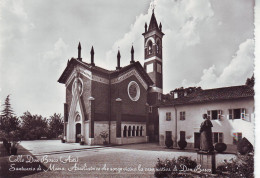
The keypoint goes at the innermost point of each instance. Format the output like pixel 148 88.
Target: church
pixel 122 103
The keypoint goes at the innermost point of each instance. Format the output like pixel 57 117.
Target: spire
pixel 92 56
pixel 118 61
pixel 153 23
pixel 132 55
pixel 160 26
pixel 79 52
pixel 145 27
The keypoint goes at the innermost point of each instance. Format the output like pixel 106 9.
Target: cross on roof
pixel 152 5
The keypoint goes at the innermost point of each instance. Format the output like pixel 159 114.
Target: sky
pixel 207 43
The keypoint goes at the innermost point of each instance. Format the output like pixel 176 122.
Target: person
pixel 206 135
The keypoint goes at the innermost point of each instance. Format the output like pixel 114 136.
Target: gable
pixel 126 75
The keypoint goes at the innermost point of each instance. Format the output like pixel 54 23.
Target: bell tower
pixel 153 55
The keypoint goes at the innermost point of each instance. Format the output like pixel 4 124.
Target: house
pixel 231 110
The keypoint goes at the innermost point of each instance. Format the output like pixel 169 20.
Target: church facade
pixel 121 103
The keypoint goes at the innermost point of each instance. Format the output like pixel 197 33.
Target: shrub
pixel 244 146
pixel 172 168
pixel 242 166
pixel 182 144
pixel 188 162
pixel 220 147
pixel 168 142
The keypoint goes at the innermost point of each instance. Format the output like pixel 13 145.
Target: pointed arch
pixel 133 131
pixel 158 46
pixel 129 131
pixel 125 131
pixel 137 131
pixel 150 47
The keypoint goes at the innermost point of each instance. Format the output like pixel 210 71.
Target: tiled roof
pixel 105 73
pixel 211 95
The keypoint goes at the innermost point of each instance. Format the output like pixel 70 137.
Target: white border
pixel 136 98
pixel 73 90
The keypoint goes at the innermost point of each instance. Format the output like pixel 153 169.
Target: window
pixel 150 47
pixel 182 115
pixel 175 95
pixel 238 114
pixel 137 131
pixel 217 137
pixel 214 114
pixel 133 91
pixel 129 131
pixel 133 131
pixel 182 135
pixel 141 131
pixel 237 136
pixel 149 68
pixel 125 131
pixel 159 68
pixel 168 116
pixel 150 109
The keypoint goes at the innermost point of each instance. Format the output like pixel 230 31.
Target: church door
pixel 196 140
pixel 78 131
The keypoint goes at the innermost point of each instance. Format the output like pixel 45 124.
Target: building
pixel 231 110
pixel 121 102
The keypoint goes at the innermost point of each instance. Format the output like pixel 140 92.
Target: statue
pixel 206 135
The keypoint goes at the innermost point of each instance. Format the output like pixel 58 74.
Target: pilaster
pixel 91 119
pixel 118 117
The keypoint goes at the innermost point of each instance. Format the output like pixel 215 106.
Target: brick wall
pixel 119 90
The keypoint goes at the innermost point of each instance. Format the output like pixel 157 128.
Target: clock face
pixel 78 83
pixel 133 90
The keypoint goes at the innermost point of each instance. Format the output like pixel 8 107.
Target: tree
pixel 8 121
pixel 8 111
pixel 55 125
pixel 250 81
pixel 33 126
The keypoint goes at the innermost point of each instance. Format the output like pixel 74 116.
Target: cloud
pixel 198 37
pixel 180 20
pixel 55 57
pixel 129 38
pixel 239 69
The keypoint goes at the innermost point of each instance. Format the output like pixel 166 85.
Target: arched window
pixel 137 131
pixel 129 131
pixel 133 131
pixel 125 130
pixel 141 131
pixel 150 47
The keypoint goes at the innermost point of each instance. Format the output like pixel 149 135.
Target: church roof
pixel 153 23
pixel 104 72
pixel 212 95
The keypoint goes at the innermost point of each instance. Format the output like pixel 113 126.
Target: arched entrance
pixel 78 131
